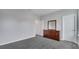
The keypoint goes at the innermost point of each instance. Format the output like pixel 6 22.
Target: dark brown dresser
pixel 52 34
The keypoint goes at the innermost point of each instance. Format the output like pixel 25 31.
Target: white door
pixel 69 27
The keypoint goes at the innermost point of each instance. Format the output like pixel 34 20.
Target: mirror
pixel 52 24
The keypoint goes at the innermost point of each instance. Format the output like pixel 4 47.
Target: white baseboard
pixel 17 40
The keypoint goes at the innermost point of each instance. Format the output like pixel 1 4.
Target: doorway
pixel 69 28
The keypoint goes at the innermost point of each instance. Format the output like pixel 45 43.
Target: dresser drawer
pixel 53 34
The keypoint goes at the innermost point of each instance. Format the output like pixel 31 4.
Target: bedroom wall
pixel 17 25
pixel 78 22
pixel 55 16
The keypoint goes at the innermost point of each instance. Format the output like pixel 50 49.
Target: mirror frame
pixel 49 23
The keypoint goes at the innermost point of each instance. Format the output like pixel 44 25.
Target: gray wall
pixel 78 21
pixel 17 25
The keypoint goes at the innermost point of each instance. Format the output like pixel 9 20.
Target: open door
pixel 69 28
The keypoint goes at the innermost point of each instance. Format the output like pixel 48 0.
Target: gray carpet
pixel 39 42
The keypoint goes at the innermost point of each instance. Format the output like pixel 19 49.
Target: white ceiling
pixel 41 12
pixel 38 12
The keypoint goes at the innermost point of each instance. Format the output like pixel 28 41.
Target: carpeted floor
pixel 39 42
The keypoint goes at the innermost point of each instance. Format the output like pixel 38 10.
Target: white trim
pixel 17 40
